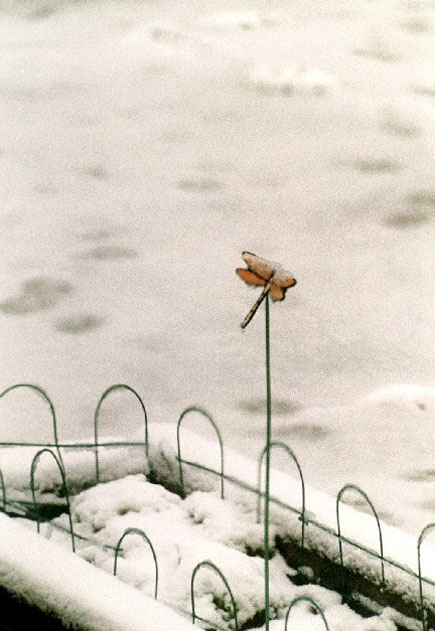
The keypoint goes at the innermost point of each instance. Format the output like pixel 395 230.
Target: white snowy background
pixel 144 145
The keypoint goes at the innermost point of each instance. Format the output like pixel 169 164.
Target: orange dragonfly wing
pixel 287 283
pixel 259 273
pixel 259 266
pixel 276 293
pixel 250 277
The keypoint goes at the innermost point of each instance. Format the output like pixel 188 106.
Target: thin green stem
pixel 267 482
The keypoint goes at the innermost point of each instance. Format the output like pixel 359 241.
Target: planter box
pixel 71 592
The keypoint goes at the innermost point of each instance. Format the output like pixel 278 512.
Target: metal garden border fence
pixel 54 449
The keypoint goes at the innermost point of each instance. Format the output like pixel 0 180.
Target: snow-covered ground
pixel 144 145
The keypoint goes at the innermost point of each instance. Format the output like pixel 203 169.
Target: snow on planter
pixel 399 549
pixel 191 523
pixel 184 533
pixel 58 582
pixel 115 462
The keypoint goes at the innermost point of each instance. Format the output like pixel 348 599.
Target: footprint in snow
pixel 428 505
pixel 419 475
pixel 96 172
pixel 309 431
pixel 424 90
pixel 376 166
pixel 95 235
pixel 36 295
pixel 199 185
pixel 421 207
pixel 423 198
pixel 109 253
pixel 417 25
pixel 404 220
pixel 377 50
pixel 79 323
pixel 396 124
pixel 280 406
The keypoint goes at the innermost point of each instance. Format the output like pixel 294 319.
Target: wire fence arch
pixel 357 489
pixel 424 533
pixel 59 464
pixel 42 394
pixel 141 533
pixel 209 418
pixel 3 490
pixel 218 571
pixel 293 456
pixel 103 397
pixel 310 601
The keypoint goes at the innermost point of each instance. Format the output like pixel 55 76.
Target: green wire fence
pixel 212 566
pixel 208 416
pixel 141 533
pixel 42 394
pixel 15 507
pixel 116 387
pixel 64 487
pixel 355 488
pixel 423 611
pixel 292 455
pixel 312 603
pixel 3 488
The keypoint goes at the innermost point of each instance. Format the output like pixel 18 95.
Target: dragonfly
pixel 263 273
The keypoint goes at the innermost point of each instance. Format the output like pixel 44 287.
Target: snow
pixel 143 147
pixel 320 507
pixel 180 543
pixel 56 580
pixel 184 533
pixel 138 160
pixel 203 526
pixel 381 442
pixel 79 465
